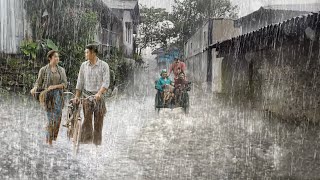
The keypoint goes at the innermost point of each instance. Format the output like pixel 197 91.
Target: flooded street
pixel 214 141
pixel 253 67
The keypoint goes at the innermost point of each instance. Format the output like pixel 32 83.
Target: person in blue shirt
pixel 163 81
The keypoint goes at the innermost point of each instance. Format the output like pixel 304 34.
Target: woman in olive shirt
pixel 53 79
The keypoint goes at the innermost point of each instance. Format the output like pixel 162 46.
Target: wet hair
pixel 51 53
pixel 92 48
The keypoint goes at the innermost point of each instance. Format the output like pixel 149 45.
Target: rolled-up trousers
pixel 96 110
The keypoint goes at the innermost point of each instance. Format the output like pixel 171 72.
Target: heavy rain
pixel 172 89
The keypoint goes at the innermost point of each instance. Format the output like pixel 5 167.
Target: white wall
pixel 216 72
pixel 198 42
pixel 224 29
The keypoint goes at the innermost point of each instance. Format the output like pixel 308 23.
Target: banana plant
pixel 30 48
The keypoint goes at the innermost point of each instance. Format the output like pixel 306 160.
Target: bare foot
pixel 50 142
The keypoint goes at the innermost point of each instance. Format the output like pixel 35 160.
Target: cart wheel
pixel 186 103
pixel 158 101
pixel 171 105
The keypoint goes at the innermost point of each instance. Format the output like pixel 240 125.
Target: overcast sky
pixel 245 6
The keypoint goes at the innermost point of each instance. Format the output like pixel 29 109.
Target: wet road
pixel 215 140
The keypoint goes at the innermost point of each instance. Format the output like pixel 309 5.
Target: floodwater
pixel 215 140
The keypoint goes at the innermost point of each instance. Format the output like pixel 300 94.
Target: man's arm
pixel 106 82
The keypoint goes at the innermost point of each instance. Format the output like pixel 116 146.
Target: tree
pixel 154 29
pixel 70 24
pixel 188 15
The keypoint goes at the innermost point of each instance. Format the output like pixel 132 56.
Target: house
pixel 202 59
pixel 118 24
pixel 13 26
pixel 276 67
pixel 197 52
pixel 109 31
pixel 273 14
pixel 128 13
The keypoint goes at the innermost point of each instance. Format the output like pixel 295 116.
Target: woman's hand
pixel 52 87
pixel 75 100
pixel 33 91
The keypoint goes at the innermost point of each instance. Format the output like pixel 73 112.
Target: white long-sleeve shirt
pixel 93 77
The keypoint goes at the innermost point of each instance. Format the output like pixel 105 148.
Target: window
pixel 128 32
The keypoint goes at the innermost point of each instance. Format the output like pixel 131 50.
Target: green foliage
pixel 14 63
pixel 69 23
pixel 138 58
pixel 17 74
pixel 189 15
pixel 119 68
pixel 49 43
pixel 29 49
pixel 67 26
pixel 72 53
pixel 154 28
pixel 158 27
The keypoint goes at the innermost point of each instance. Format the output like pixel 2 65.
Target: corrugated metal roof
pixel 315 7
pixel 271 34
pixel 117 4
pixel 303 8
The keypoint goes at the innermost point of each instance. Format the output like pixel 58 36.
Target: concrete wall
pixel 198 55
pixel 235 76
pixel 290 79
pixel 284 80
pixel 264 17
pixel 216 72
pixel 197 68
pixel 13 26
pixel 223 29
pixel 197 43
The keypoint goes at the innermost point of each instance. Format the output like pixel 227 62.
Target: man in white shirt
pixel 93 79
